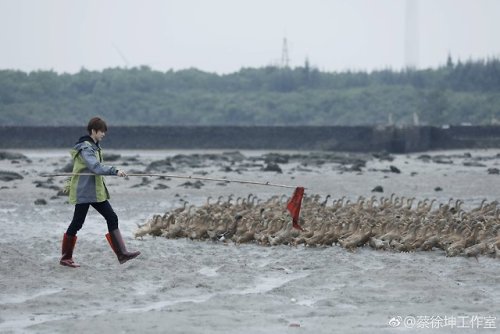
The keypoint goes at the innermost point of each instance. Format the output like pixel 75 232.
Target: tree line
pixel 455 93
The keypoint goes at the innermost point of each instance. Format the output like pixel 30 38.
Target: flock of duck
pixel 385 223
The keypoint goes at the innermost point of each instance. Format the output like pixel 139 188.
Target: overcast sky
pixel 225 35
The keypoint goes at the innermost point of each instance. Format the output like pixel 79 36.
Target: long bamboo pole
pixel 267 183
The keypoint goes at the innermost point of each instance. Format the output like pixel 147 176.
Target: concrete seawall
pixel 328 138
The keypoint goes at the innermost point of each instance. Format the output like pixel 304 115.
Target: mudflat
pixel 191 286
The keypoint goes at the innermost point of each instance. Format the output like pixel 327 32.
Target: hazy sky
pixel 224 35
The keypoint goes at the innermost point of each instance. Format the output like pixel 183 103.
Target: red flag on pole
pixel 294 206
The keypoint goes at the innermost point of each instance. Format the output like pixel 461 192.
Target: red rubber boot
pixel 116 242
pixel 68 244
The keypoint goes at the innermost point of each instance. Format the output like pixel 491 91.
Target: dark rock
pixel 276 158
pixel 473 164
pixel 442 161
pixel 251 165
pixel 197 184
pixel 161 186
pixel 353 168
pixel 395 169
pixel 9 176
pixel 272 167
pixel 438 189
pixel 493 171
pixel 160 166
pixel 383 156
pixel 234 156
pixel 193 160
pixel 132 159
pixel 378 189
pixel 424 157
pixel 112 157
pixel 12 156
pixel 46 184
pixel 145 181
pixel 40 201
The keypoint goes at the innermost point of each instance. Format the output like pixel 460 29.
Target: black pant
pixel 104 208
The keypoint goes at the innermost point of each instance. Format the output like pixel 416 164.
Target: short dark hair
pixel 97 124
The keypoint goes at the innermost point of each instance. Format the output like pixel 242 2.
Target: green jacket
pixel 87 158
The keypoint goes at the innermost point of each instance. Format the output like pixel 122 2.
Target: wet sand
pixel 184 286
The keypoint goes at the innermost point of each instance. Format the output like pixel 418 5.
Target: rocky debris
pixel 235 156
pixel 495 171
pixel 425 157
pixel 394 169
pixel 383 156
pixel 10 176
pixel 46 184
pixel 276 158
pixel 160 166
pixel 466 155
pixel 473 164
pixel 378 189
pixel 353 168
pixel 145 181
pixel 12 156
pixel 191 161
pixel 251 165
pixel 237 162
pixel 40 201
pixel 161 186
pixel 448 159
pixel 442 161
pixel 438 189
pixel 109 157
pixel 196 185
pixel 272 167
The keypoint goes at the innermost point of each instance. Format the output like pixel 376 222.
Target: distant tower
pixel 284 55
pixel 416 120
pixel 411 34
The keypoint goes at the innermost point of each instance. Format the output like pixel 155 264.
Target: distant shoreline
pixel 321 138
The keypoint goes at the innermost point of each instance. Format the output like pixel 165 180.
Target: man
pixel 87 188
